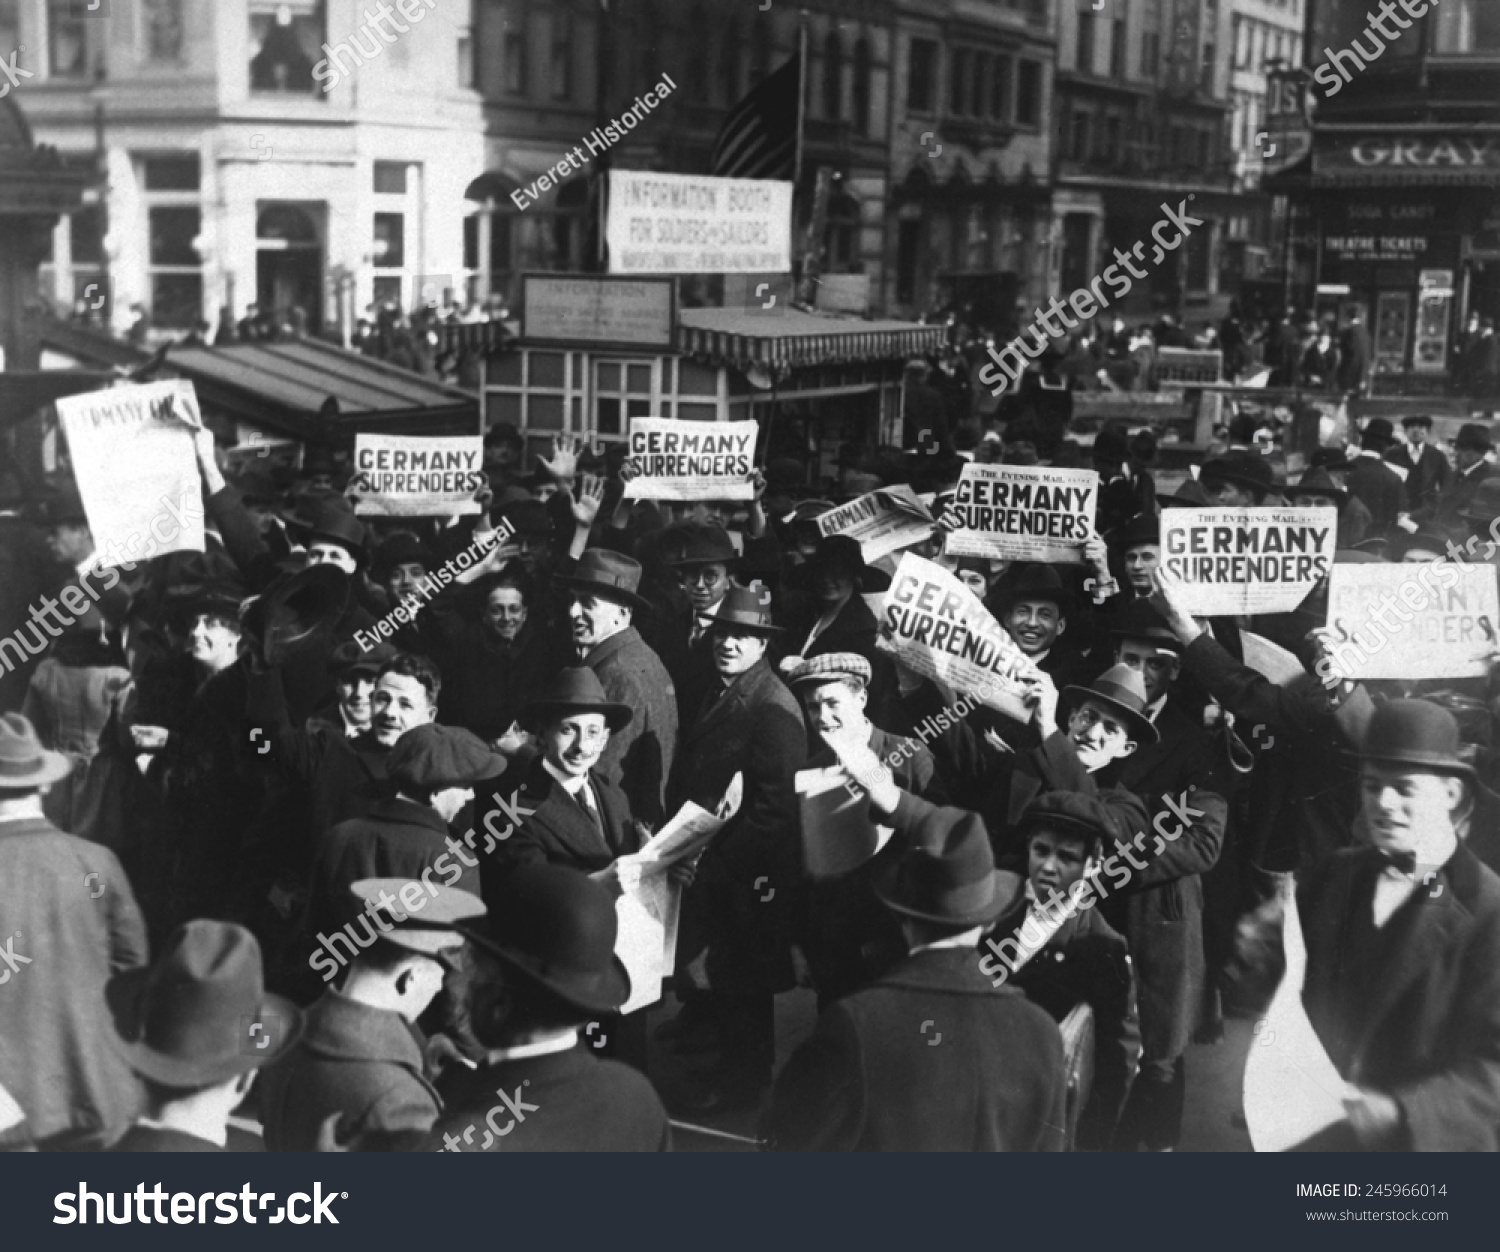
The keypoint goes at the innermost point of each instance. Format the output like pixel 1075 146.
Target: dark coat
pixel 154 1139
pixel 691 666
pixel 1455 497
pixel 929 1058
pixel 582 1104
pixel 640 756
pixel 27 569
pixel 57 1052
pixel 1354 358
pixel 557 831
pixel 1427 475
pixel 1370 479
pixel 487 680
pixel 1412 1009
pixel 361 1062
pixel 1087 962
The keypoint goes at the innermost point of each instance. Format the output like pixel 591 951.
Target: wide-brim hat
pixel 610 575
pixel 200 1014
pixel 557 927
pixel 689 544
pixel 745 608
pixel 1415 733
pixel 1317 482
pixel 1401 542
pixel 1123 692
pixel 1249 470
pixel 24 764
pixel 842 552
pixel 948 875
pixel 1138 620
pixel 577 690
pixel 1140 529
pixel 219 598
pixel 300 611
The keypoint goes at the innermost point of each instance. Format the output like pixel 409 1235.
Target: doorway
pixel 289 266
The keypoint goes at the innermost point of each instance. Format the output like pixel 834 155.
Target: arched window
pixel 833 77
pixel 862 87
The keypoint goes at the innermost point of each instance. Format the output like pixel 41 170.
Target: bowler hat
pixel 1317 482
pixel 1474 437
pixel 332 522
pixel 1032 580
pixel 24 764
pixel 609 575
pixel 200 1014
pixel 1068 812
pixel 433 757
pixel 745 608
pixel 1417 419
pixel 1138 620
pixel 1377 435
pixel 830 667
pixel 1141 529
pixel 947 875
pixel 577 690
pixel 429 926
pixel 1417 733
pixel 1123 692
pixel 557 927
pixel 843 553
pixel 1484 504
pixel 1249 470
pixel 1330 458
pixel 691 544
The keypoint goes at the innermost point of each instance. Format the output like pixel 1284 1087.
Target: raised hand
pixel 564 463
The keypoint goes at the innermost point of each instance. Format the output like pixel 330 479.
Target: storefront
pixel 595 352
pixel 1409 237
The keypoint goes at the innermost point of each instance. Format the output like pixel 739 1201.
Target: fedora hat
pixel 331 521
pixel 691 544
pixel 297 612
pixel 1141 529
pixel 610 575
pixel 745 608
pixel 1416 733
pixel 1249 470
pixel 557 927
pixel 24 764
pixel 948 875
pixel 1123 692
pixel 577 690
pixel 1317 482
pixel 1190 495
pixel 1032 580
pixel 200 1014
pixel 1138 620
pixel 841 552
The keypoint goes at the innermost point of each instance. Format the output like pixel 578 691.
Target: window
pixel 1000 88
pixel 1210 55
pixel 390 178
pixel 1078 146
pixel 921 75
pixel 1112 137
pixel 171 173
pixel 514 45
pixel 1084 62
pixel 833 77
pixel 176 274
pixel 162 20
pixel 622 390
pixel 1150 54
pixel 562 56
pixel 862 87
pixel 286 40
pixel 466 70
pixel 958 86
pixel 67 40
pixel 390 241
pixel 1117 48
pixel 10 27
pixel 86 235
pixel 1029 93
pixel 981 76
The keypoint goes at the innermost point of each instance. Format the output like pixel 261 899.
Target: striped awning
pixel 794 339
pixel 469 338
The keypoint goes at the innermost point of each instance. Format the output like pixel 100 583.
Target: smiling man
pixel 1403 951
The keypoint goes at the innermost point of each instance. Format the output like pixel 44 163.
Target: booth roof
pixel 793 339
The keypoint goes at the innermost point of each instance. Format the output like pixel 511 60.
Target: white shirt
pixel 543 1047
pixel 1395 887
pixel 578 788
pixel 700 625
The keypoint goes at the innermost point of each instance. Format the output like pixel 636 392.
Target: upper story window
pixel 162 27
pixel 562 56
pixel 1085 51
pixel 67 40
pixel 1028 92
pixel 862 87
pixel 286 41
pixel 833 77
pixel 514 66
pixel 1467 26
pixel 921 76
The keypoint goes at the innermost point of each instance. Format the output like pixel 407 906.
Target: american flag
pixel 759 137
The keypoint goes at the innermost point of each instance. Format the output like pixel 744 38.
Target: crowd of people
pixel 346 805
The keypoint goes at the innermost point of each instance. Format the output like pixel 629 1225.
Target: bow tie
pixel 1405 862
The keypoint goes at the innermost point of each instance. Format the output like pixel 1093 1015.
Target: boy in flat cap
pixel 361 1056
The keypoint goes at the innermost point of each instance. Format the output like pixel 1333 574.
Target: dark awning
pixel 793 339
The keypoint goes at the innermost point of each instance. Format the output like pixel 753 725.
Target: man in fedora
pixel 544 967
pixel 701 558
pixel 603 596
pixel 749 725
pixel 70 921
pixel 1372 478
pixel 1238 480
pixel 930 1056
pixel 1472 466
pixel 1426 469
pixel 361 1058
pixel 196 1026
pixel 1033 605
pixel 1317 489
pixel 1403 951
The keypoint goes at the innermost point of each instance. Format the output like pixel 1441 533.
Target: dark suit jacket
pixel 27 569
pixel 362 1063
pixel 853 630
pixel 1413 1009
pixel 929 1058
pixel 1429 474
pixel 582 1104
pixel 691 666
pixel 640 756
pixel 150 1139
pixel 559 831
pixel 1461 489
pixel 1370 479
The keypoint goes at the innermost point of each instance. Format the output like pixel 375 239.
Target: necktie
pixel 585 800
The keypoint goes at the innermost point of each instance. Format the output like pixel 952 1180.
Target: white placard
pixel 694 224
pixel 1252 560
pixel 1429 620
pixel 677 460
pixel 1024 513
pixel 883 522
pixel 416 476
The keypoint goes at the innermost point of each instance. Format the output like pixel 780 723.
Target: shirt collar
pixel 1153 710
pixel 571 785
pixel 543 1047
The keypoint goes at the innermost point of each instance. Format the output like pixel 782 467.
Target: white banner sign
pixel 883 522
pixel 1024 513
pixel 937 627
pixel 694 224
pixel 691 460
pixel 1436 620
pixel 133 457
pixel 1260 560
pixel 413 476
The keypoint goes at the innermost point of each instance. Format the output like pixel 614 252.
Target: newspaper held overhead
pixel 883 522
pixel 649 911
pixel 417 476
pixel 1446 622
pixel 937 627
pixel 1253 560
pixel 676 460
pixel 133 457
pixel 1024 513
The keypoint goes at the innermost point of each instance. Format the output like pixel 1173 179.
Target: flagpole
pixel 801 91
